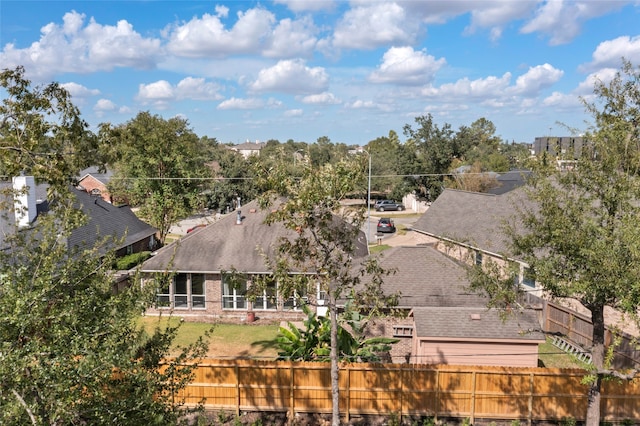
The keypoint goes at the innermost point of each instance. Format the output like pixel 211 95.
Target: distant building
pixel 248 149
pixel 564 147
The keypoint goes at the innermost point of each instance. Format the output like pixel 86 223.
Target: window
pixel 402 331
pixel 234 293
pixel 297 301
pixel 163 298
pixel 197 291
pixel 180 298
pixel 528 278
pixel 183 291
pixel 268 299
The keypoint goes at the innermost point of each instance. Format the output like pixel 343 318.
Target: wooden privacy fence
pixel 526 394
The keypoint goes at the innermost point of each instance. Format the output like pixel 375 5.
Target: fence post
pixel 473 397
pixel 237 369
pixel 530 416
pixel 348 389
pixel 436 403
pixel 292 399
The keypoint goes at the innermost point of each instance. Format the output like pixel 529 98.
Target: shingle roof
pixel 105 219
pixel 458 322
pixel 426 277
pixel 509 181
pixel 225 245
pixel 471 218
pixel 94 171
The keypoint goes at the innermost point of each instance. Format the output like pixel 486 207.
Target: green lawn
pixel 553 357
pixel 226 340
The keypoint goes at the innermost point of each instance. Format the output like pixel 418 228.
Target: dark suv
pixel 385 224
pixel 384 205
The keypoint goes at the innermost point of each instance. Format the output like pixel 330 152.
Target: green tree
pixel 159 167
pixel 326 241
pixel 581 236
pixel 41 132
pixel 71 349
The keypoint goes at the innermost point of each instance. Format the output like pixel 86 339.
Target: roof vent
pixel 475 317
pixel 239 218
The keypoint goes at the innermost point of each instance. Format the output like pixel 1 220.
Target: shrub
pixel 131 260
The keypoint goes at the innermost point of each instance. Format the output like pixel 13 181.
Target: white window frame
pixel 236 296
pixel 198 300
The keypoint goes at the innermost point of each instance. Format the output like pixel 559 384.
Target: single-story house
pixel 204 265
pixel 103 219
pixel 427 280
pixel 475 336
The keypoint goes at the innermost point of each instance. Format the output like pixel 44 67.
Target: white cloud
pixel 307 5
pixel 374 25
pixel 105 105
pixel 207 36
pixel 291 76
pixel 237 103
pixel 403 65
pixel 481 88
pixel 604 75
pixel 609 53
pixel 537 78
pixel 324 98
pixel 79 91
pixel 293 113
pixel 561 100
pixel 73 47
pixel 161 92
pixel 360 104
pixel 562 20
pixel 292 38
pixel 197 89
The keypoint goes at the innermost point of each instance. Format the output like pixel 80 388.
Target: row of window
pixel 186 291
pixel 524 277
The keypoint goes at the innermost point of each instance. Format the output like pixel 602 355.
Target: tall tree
pixel 41 132
pixel 71 349
pixel 159 167
pixel 581 236
pixel 326 243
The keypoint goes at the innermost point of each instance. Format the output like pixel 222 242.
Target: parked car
pixel 386 225
pixel 387 205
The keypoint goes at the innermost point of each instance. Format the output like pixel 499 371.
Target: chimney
pixel 239 218
pixel 24 200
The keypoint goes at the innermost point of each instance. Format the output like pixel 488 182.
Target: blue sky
pixel 349 70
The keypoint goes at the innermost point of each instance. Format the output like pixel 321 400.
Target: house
pixel 464 335
pixel 248 148
pixel 468 227
pixel 94 182
pixel 430 284
pixel 130 234
pixel 211 269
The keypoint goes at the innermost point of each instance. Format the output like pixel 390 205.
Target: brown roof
pixel 471 218
pixel 426 277
pixel 475 323
pixel 226 245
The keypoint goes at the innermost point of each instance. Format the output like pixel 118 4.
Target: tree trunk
pixel 335 384
pixel 597 357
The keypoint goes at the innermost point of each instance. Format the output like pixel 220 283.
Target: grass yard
pixel 226 340
pixel 554 357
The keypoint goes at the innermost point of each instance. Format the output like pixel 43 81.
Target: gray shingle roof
pixel 471 218
pixel 458 322
pixel 105 219
pixel 426 277
pixel 225 245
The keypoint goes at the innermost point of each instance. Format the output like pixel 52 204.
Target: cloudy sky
pixel 348 70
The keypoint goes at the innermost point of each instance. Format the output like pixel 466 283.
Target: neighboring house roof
pixel 102 176
pixel 426 277
pixel 226 245
pixel 476 323
pixel 104 220
pixel 471 218
pixel 509 181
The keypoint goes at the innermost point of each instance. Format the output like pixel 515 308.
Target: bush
pixel 131 260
